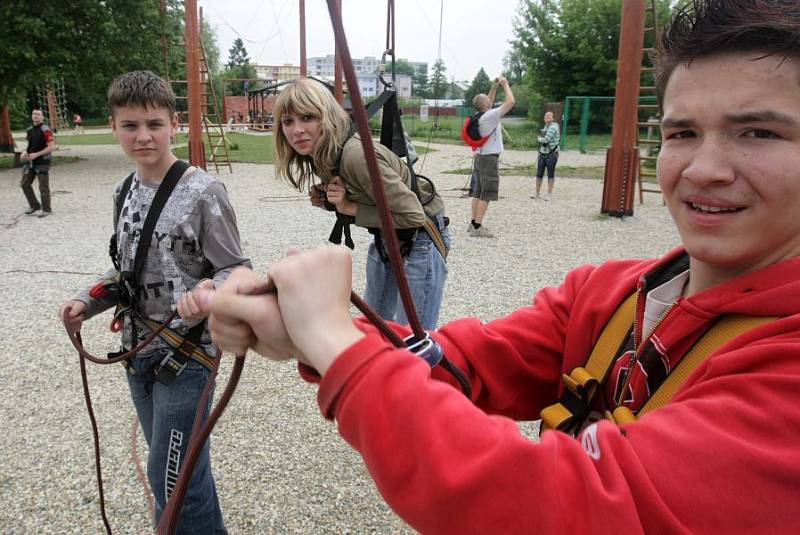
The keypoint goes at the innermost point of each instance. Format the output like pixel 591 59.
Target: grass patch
pixel 7 161
pixel 593 171
pixel 247 148
pixel 86 139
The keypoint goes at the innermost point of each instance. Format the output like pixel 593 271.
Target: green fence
pixel 590 119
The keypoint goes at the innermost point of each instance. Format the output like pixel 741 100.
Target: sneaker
pixel 45 214
pixel 482 232
pixel 535 197
pixel 470 230
pixel 547 197
pixel 31 211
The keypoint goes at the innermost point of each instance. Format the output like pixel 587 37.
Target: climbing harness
pixel 394 137
pixel 583 383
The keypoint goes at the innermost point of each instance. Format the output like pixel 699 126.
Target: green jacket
pixel 550 138
pixel 407 212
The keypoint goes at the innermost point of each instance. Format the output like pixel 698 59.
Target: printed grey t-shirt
pixel 196 237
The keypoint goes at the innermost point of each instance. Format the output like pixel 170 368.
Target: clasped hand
pixel 300 311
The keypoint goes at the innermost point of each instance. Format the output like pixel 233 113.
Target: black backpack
pixel 470 132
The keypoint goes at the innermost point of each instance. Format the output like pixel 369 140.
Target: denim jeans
pixel 166 414
pixel 426 271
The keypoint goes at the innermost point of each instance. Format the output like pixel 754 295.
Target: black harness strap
pixel 175 363
pixel 112 246
pixel 163 193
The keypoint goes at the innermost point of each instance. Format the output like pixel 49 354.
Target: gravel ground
pixel 280 467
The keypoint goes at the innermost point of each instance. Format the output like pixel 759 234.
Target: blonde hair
pixel 309 97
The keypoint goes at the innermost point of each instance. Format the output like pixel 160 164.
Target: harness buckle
pixel 169 369
pixel 127 289
pixel 427 349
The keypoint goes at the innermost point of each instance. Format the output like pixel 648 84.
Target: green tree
pixel 86 43
pixel 419 81
pixel 438 80
pixel 569 47
pixel 237 54
pixel 480 84
pixel 401 66
pixel 238 69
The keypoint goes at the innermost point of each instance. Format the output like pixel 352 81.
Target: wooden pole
pixel 6 137
pixel 196 149
pixel 303 60
pixel 164 46
pixel 338 90
pixel 622 158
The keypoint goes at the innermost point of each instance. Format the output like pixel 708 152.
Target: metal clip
pixel 427 349
pixel 168 370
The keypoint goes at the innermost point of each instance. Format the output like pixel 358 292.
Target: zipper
pixel 639 345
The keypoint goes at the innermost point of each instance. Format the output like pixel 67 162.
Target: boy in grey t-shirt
pixel 195 242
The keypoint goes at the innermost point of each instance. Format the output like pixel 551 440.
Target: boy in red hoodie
pixel 720 457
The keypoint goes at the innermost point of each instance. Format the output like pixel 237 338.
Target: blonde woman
pixel 314 138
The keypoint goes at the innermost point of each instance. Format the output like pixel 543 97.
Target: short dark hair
pixel 140 88
pixel 703 28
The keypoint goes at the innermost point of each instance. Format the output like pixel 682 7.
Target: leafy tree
pixel 401 66
pixel 480 84
pixel 237 54
pixel 419 81
pixel 238 68
pixel 438 79
pixel 84 42
pixel 236 76
pixel 568 47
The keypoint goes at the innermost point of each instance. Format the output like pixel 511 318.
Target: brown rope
pixel 140 475
pixel 387 225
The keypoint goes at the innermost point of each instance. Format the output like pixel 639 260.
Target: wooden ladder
pixel 212 123
pixel 212 126
pixel 53 105
pixel 649 115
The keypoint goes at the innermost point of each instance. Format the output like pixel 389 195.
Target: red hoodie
pixel 721 457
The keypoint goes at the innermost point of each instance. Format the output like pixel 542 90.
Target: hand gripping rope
pixel 420 342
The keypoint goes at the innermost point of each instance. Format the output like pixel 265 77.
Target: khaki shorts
pixel 488 183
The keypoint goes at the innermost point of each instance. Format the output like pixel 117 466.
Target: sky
pixel 475 33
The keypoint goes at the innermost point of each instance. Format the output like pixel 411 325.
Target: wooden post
pixel 303 60
pixel 6 137
pixel 622 158
pixel 162 8
pixel 196 150
pixel 338 90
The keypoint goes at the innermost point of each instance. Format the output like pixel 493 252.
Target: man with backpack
pixel 487 156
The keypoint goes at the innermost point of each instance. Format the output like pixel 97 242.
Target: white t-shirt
pixel 660 299
pixel 489 125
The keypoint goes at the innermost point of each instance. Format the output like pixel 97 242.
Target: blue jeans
pixel 426 271
pixel 166 414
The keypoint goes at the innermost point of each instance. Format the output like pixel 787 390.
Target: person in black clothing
pixel 41 143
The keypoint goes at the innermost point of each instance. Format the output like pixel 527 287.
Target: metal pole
pixel 584 125
pixel 622 158
pixel 303 60
pixel 196 149
pixel 338 90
